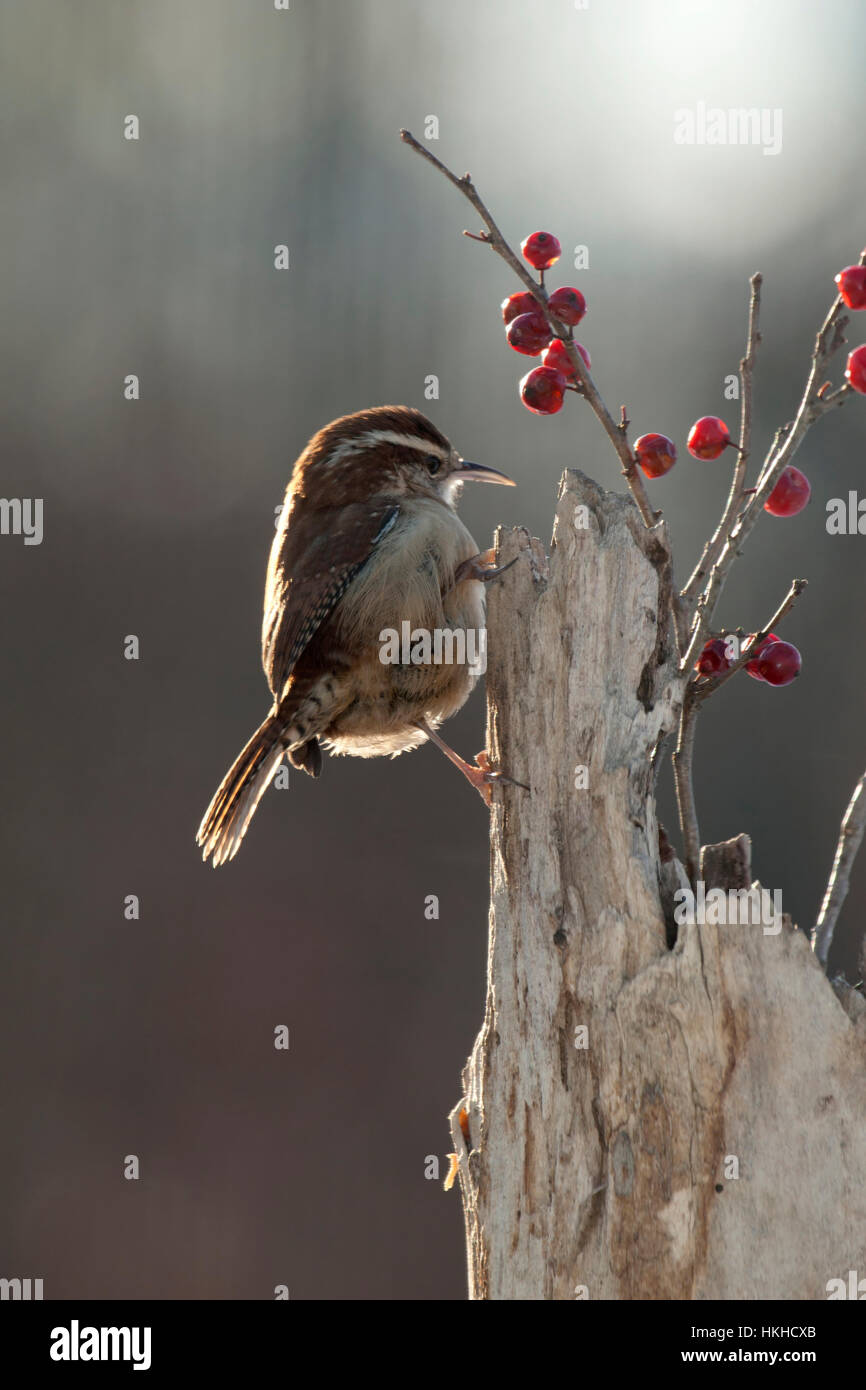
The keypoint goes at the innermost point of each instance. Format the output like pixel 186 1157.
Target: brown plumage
pixel 368 539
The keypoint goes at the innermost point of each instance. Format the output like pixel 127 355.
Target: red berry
pixel 708 437
pixel 855 371
pixel 779 663
pixel 656 455
pixel 557 357
pixel 528 333
pixel 852 286
pixel 791 493
pixel 541 249
pixel 714 657
pixel 543 390
pixel 520 303
pixel 568 305
pixel 752 666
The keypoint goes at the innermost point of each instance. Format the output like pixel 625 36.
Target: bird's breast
pixel 410 576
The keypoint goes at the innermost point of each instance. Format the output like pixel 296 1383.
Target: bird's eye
pixel 434 462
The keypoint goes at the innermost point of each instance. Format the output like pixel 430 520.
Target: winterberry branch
pixel 493 237
pixel 708 685
pixel 814 403
pixel 850 839
pixel 695 693
pixel 714 545
pixel 683 764
pixel 566 368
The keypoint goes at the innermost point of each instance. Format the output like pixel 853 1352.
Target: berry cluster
pixel 852 291
pixel 709 436
pixel 543 388
pixel 774 661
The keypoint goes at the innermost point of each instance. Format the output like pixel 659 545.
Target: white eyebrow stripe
pixel 373 437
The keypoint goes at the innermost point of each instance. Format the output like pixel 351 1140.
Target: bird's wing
pixel 311 566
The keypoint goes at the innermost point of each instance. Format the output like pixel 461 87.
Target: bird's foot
pixel 489 776
pixel 482 567
pixel 482 776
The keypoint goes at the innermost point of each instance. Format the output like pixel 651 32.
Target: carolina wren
pixel 369 539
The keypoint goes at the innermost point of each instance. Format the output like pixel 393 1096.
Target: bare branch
pixel 814 403
pixel 697 690
pixel 708 685
pixel 683 763
pixel 494 238
pixel 714 545
pixel 850 838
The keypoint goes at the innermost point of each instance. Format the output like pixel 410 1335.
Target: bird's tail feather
pixel 226 819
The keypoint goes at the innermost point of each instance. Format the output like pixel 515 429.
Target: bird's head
pixel 392 450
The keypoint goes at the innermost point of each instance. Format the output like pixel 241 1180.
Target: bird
pixel 368 539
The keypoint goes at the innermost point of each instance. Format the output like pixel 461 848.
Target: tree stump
pixel 645 1120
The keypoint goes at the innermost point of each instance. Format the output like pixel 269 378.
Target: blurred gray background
pixel 155 257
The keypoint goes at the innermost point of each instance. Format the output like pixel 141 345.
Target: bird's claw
pixel 482 567
pixel 484 778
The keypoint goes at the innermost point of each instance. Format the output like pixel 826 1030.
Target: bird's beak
pixel 479 473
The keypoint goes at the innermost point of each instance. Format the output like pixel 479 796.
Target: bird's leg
pixel 481 567
pixel 482 778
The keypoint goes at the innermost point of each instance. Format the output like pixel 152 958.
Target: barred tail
pixel 239 793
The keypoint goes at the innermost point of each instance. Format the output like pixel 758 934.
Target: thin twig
pixel 813 405
pixel 494 238
pixel 714 545
pixel 733 531
pixel 697 690
pixel 683 764
pixel 850 838
pixel 708 685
